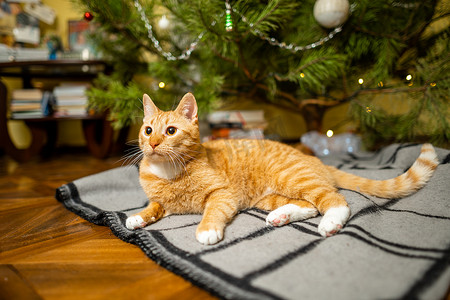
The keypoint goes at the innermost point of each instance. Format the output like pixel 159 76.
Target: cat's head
pixel 170 135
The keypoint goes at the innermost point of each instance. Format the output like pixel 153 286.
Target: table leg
pixel 99 136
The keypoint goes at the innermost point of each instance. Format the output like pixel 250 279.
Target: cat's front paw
pixel 135 222
pixel 209 237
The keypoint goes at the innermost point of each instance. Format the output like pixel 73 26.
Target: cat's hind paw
pixel 276 219
pixel 289 213
pixel 209 237
pixel 135 222
pixel 333 220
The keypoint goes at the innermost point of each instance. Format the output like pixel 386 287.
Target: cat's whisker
pixel 133 149
pixel 177 161
pixel 124 159
pixel 134 156
pixel 184 154
pixel 181 162
pixel 172 162
pixel 139 106
pixel 176 157
pixel 138 158
pixel 134 142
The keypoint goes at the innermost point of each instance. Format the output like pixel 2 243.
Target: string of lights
pixel 291 47
pixel 229 27
pixel 169 56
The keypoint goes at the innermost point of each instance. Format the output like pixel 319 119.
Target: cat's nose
pixel 154 145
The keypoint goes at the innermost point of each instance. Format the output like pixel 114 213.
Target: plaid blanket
pixel 389 249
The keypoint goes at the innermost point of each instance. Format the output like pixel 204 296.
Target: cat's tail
pixel 407 183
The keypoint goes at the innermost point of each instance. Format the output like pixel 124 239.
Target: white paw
pixel 276 218
pixel 134 222
pixel 333 220
pixel 289 213
pixel 209 237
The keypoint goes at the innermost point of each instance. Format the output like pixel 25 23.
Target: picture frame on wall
pixel 78 35
pixel 78 31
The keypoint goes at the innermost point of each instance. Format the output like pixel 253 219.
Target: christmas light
pixel 85 54
pixel 360 81
pixel 163 22
pixel 330 133
pixel 228 20
pixel 408 77
pixel 169 56
pixel 162 85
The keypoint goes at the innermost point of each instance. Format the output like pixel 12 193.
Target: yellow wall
pixel 65 10
pixel 69 132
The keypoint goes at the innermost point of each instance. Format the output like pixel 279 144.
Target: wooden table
pixel 97 130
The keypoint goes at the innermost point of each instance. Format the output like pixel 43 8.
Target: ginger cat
pixel 181 176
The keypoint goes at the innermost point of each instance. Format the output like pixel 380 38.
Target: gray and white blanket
pixel 389 249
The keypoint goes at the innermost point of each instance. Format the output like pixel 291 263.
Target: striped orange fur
pixel 180 175
pixel 407 183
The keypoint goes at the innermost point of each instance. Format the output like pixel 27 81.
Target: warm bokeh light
pixel 330 133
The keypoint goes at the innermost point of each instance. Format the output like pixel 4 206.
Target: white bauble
pixel 331 13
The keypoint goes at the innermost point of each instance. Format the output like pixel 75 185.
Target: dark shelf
pixel 97 129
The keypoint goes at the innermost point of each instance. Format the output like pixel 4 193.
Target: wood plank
pixel 102 281
pixel 105 249
pixel 47 252
pixel 9 205
pixel 13 286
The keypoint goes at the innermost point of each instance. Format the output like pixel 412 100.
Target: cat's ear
pixel 149 107
pixel 188 107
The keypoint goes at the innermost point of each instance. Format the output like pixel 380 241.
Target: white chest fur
pixel 165 169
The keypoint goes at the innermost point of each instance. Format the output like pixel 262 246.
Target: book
pixel 70 90
pixel 27 104
pixel 243 117
pixel 27 94
pixel 249 124
pixel 27 114
pixel 47 103
pixel 71 100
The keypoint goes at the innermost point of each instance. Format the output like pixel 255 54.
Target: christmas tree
pixel 305 56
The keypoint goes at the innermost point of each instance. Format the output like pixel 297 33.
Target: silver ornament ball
pixel 331 13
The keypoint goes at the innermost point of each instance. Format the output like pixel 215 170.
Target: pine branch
pixel 243 64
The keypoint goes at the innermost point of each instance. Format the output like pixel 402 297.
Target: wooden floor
pixel 47 252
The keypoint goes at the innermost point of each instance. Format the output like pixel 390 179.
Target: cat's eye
pixel 148 130
pixel 171 130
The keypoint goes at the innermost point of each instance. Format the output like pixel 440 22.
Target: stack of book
pixel 71 100
pixel 8 54
pixel 235 124
pixel 30 103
